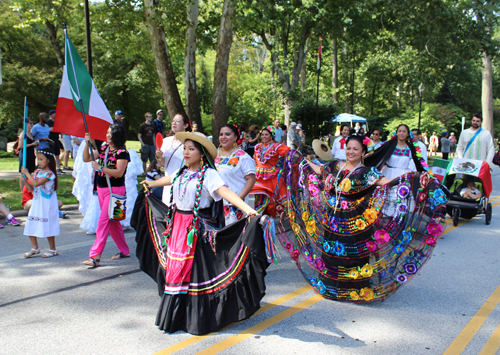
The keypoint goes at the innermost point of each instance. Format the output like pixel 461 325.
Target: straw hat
pixel 200 138
pixel 322 150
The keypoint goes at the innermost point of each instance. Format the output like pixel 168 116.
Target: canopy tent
pixel 348 117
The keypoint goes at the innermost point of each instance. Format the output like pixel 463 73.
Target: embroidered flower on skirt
pixel 366 293
pixel 410 268
pixel 434 229
pixel 371 245
pixel 381 236
pixel 401 278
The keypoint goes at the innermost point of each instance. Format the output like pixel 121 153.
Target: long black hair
pixel 357 138
pixel 118 135
pixel 49 154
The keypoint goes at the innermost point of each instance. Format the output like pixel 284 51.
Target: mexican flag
pixel 473 168
pixel 439 168
pixel 78 93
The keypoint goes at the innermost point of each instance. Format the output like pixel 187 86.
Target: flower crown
pixel 269 128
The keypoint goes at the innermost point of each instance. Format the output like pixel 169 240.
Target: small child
pixel 43 217
pixel 154 173
pixel 470 191
pixel 8 216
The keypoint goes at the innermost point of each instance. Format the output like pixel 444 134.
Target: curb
pixel 23 213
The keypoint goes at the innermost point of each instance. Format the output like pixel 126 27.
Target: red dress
pixel 269 160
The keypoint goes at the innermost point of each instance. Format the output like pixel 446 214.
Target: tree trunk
pixel 303 74
pixel 191 91
pixel 219 99
pixel 52 33
pixel 162 58
pixel 335 73
pixel 487 94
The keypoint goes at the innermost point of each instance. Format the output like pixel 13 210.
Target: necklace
pixel 337 183
pixel 185 184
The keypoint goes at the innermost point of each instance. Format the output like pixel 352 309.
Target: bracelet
pixel 100 169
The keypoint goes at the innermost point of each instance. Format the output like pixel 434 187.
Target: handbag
pixel 496 158
pixel 117 209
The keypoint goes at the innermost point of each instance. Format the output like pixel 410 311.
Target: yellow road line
pixel 194 339
pixel 247 333
pixel 471 329
pixel 493 343
pixel 466 335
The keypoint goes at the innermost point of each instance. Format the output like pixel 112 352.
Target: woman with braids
pixel 346 240
pixel 208 277
pixel 236 168
pixel 269 156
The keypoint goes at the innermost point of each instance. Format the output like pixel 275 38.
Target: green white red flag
pixel 439 168
pixel 78 93
pixel 318 63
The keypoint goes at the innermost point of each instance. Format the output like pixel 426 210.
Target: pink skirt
pixel 179 255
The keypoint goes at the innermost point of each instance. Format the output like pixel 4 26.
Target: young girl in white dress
pixel 43 217
pixel 236 168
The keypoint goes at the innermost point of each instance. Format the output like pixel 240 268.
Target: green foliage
pixel 434 118
pixel 305 111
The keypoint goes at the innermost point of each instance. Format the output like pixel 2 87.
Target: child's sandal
pixel 32 253
pixel 50 253
pixel 93 263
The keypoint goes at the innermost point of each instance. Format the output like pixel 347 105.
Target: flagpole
pixel 25 126
pixel 317 92
pixel 67 50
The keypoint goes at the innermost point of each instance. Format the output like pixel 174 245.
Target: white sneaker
pixel 90 233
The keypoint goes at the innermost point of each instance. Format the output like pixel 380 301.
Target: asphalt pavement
pixel 59 306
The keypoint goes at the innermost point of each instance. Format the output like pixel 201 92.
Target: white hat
pixel 299 126
pixel 293 124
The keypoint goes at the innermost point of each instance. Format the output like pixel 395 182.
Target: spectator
pixel 292 140
pixel 445 145
pixel 475 142
pixel 453 147
pixel 146 136
pixel 252 139
pixel 278 132
pixel 154 173
pixel 243 136
pixel 434 144
pixel 55 145
pixel 68 148
pixel 41 131
pixel 376 135
pixel 339 145
pixel 417 134
pixel 158 122
pixel 194 126
pixel 30 150
pixel 118 119
pixel 8 216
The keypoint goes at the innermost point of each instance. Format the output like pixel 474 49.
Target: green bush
pixel 6 154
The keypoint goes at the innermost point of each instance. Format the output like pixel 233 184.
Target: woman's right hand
pixel 87 138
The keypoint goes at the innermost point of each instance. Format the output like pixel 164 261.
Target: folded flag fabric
pixel 439 168
pixel 78 93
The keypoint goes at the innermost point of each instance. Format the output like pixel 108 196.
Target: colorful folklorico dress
pixel 233 170
pixel 345 241
pixel 268 167
pixel 43 217
pixel 209 278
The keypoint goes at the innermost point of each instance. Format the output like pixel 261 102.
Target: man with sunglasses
pixel 376 138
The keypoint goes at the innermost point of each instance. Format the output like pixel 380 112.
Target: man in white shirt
pixel 475 142
pixel 278 132
pixel 418 136
pixel 291 140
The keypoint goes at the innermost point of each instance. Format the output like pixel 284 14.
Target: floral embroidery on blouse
pixel 231 160
pixel 112 157
pixel 405 152
pixel 264 153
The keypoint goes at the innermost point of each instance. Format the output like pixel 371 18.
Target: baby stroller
pixel 475 174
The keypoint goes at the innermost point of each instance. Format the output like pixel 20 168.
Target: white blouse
pixel 233 170
pixel 338 154
pixel 173 156
pixel 399 163
pixel 185 189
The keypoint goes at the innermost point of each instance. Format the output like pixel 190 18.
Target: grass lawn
pixel 11 193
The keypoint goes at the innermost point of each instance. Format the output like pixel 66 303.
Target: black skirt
pixel 225 287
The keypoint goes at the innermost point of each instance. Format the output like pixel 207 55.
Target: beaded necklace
pixel 185 184
pixel 337 183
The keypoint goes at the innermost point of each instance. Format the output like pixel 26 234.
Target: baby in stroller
pixel 471 191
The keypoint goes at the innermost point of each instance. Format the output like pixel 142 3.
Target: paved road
pixel 58 306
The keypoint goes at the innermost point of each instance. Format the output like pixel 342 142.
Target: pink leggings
pixel 105 226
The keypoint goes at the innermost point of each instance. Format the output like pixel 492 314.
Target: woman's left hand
pixel 96 165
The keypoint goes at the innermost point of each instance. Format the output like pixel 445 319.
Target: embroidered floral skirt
pixel 364 246
pixel 201 291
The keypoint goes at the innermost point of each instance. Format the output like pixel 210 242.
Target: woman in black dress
pixel 30 149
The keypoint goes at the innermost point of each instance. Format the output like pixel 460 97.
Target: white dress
pixel 89 202
pixel 185 189
pixel 233 170
pixel 43 217
pixel 399 163
pixel 173 156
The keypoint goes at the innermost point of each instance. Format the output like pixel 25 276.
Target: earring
pixel 220 145
pixel 201 162
pixel 235 145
